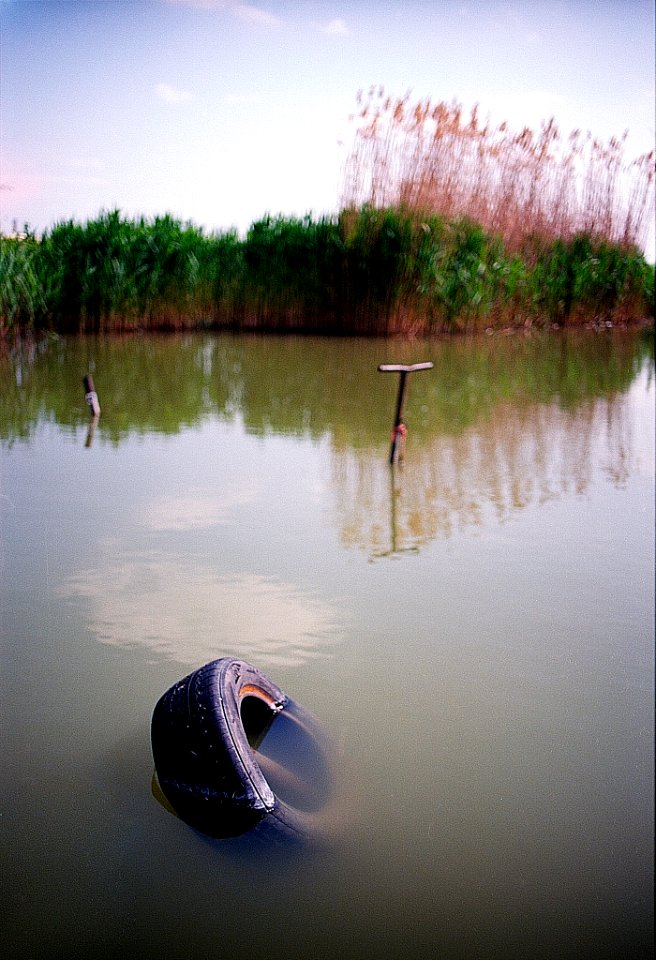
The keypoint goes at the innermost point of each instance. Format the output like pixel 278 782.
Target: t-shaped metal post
pixel 404 370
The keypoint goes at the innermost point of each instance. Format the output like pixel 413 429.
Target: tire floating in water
pixel 214 768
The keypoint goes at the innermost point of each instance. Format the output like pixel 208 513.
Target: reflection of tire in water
pixel 232 751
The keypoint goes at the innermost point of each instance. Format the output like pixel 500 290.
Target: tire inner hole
pixel 290 757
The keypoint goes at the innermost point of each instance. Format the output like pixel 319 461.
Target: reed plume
pixel 520 185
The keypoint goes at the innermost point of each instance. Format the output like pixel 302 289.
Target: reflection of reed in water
pixel 514 458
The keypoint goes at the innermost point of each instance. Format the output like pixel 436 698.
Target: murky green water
pixel 474 630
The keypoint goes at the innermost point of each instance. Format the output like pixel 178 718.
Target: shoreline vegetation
pixel 447 225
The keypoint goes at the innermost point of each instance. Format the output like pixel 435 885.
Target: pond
pixel 473 629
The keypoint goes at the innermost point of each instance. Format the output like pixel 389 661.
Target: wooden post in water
pixel 91 396
pixel 399 430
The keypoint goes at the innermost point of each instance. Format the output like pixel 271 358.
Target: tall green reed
pixel 22 298
pixel 367 270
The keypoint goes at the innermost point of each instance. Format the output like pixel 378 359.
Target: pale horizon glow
pixel 220 112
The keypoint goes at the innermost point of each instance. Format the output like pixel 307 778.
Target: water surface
pixel 474 630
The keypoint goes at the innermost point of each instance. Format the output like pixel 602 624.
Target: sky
pixel 219 111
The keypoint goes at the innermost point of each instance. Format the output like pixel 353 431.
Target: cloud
pixel 170 94
pixel 256 15
pixel 336 27
pixel 245 11
pixel 201 4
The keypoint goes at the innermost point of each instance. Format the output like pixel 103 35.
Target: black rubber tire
pixel 205 765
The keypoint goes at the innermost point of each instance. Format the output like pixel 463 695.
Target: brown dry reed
pixel 437 158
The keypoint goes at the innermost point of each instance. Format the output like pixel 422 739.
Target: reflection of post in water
pixel 399 430
pixel 91 431
pixel 394 549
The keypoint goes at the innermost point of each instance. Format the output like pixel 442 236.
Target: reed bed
pixel 366 271
pixel 448 224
